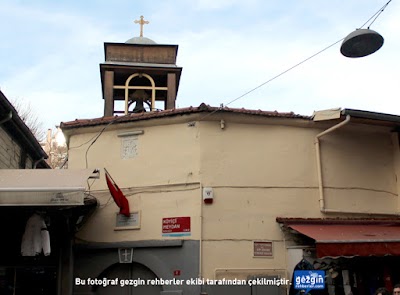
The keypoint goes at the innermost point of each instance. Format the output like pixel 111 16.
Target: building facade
pixel 229 201
pixel 230 195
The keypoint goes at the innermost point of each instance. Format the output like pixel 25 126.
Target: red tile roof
pixel 203 108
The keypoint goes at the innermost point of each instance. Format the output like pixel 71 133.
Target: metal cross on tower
pixel 141 22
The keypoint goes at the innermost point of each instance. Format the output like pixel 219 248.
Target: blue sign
pixel 309 280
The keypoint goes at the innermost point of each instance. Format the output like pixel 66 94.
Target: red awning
pixel 352 239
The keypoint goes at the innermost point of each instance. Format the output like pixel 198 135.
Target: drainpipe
pixel 202 291
pixel 319 165
pixel 7 118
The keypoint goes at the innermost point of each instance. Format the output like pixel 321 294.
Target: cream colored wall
pixel 234 260
pixel 257 155
pixel 166 154
pixel 179 202
pixel 257 171
pixel 260 172
pixel 237 218
pixel 161 181
pixel 359 171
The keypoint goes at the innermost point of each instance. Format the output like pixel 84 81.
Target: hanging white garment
pixel 36 237
pixel 45 241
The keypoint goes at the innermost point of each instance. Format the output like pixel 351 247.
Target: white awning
pixel 44 187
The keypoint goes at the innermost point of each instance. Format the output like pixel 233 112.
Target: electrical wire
pixel 93 139
pixel 78 146
pixel 96 137
pixel 151 186
pixel 379 13
pixel 284 72
pixel 161 191
pixel 376 14
pixel 143 190
pixel 296 65
pixel 89 185
pixel 272 79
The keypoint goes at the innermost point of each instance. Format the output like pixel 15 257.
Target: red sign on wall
pixel 176 226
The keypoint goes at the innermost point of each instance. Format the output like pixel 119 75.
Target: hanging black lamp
pixel 361 42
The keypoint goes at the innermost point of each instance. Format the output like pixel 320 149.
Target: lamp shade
pixel 361 42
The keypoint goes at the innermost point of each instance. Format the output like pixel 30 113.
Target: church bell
pixel 139 97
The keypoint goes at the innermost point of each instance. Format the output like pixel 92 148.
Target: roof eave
pixel 25 136
pixel 371 115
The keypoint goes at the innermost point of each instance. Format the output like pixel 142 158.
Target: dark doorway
pixel 132 273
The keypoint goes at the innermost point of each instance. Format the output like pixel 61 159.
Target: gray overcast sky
pixel 51 50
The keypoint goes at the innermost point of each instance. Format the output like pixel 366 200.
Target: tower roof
pixel 140 40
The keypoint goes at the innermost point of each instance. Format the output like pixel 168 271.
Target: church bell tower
pixel 139 75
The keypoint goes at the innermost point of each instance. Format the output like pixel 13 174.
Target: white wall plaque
pixel 129 147
pixel 123 222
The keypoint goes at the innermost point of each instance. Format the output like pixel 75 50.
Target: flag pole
pixel 109 175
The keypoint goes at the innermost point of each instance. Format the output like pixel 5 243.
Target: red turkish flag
pixel 118 196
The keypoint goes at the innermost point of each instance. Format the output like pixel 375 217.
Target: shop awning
pixel 44 187
pixel 353 239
